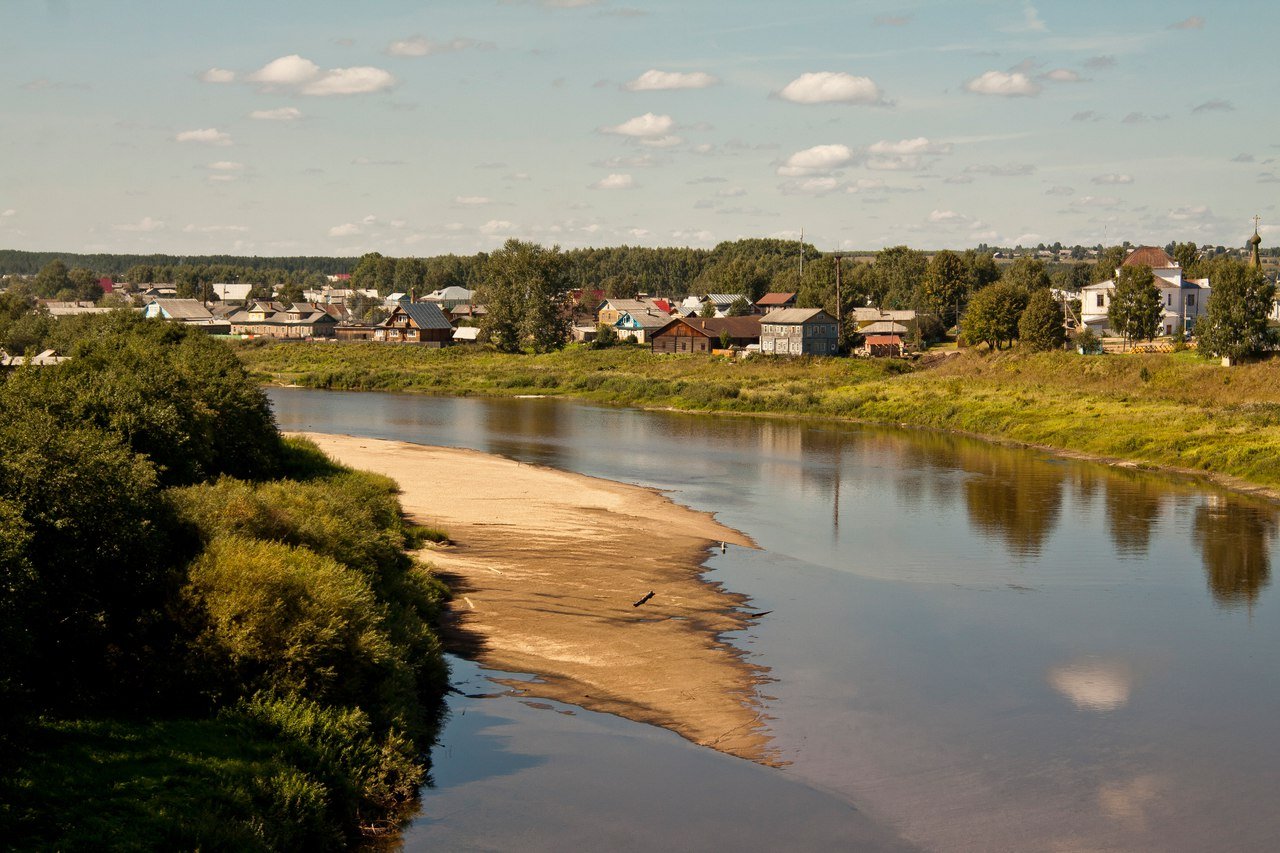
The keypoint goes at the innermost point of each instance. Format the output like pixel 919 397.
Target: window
pixel 1168 300
pixel 1191 300
pixel 1099 300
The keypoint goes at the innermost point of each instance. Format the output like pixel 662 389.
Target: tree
pixel 946 286
pixel 1135 305
pixel 1109 260
pixel 410 275
pixel 522 288
pixel 606 336
pixel 740 307
pixel 1028 273
pixel 1188 256
pixel 993 314
pixel 708 309
pixel 374 272
pixel 725 340
pixel 982 269
pixel 1239 304
pixel 85 284
pixel 52 278
pixel 1041 324
pixel 899 272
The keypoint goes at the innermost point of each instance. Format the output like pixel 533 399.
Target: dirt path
pixel 545 570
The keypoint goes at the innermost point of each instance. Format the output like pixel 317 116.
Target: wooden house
pixel 799 331
pixel 703 334
pixel 773 301
pixel 416 323
pixel 640 324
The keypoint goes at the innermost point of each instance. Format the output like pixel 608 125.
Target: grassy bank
pixel 211 636
pixel 1170 410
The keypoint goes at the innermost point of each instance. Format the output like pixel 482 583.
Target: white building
pixel 1183 300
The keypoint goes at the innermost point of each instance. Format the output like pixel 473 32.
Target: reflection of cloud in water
pixel 1093 685
pixel 1128 802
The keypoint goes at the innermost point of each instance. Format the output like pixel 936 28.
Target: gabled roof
pixel 884 327
pixel 1156 258
pixel 451 293
pixel 870 315
pixel 182 309
pixel 797 315
pixel 425 315
pixel 726 298
pixel 737 327
pixel 770 299
pixel 646 318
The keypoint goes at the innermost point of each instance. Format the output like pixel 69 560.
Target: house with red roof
pixel 1183 300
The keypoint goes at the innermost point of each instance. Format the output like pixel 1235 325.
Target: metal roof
pixel 797 315
pixel 425 315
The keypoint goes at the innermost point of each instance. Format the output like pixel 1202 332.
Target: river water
pixel 972 647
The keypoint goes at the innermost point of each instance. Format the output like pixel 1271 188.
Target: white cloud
pixel 1063 75
pixel 940 216
pixel 347 229
pixel 1008 84
pixel 919 145
pixel 661 141
pixel 145 224
pixel 217 75
pixel 831 87
pixel 206 135
pixel 214 229
pixel 421 46
pixel 816 160
pixel 1182 214
pixel 294 72
pixel 900 163
pixel 1029 239
pixel 1113 178
pixel 811 186
pixel 9 212
pixel 614 182
pixel 654 80
pixel 1031 22
pixel 358 80
pixel 472 200
pixel 1195 22
pixel 1007 170
pixel 691 236
pixel 497 226
pixel 226 166
pixel 278 114
pixel 1096 201
pixel 647 125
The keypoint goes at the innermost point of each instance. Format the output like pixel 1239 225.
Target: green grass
pixel 1172 409
pixel 182 784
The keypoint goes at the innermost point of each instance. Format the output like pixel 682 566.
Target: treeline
pixel 15 262
pixel 212 637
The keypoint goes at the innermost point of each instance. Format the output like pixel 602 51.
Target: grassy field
pixel 1172 410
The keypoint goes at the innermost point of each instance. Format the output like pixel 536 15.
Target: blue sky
pixel 416 128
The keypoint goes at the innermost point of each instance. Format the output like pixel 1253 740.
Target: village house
pixel 704 334
pixel 72 309
pixel 883 339
pixel 231 291
pixel 416 323
pixel 450 297
pixel 799 331
pixel 272 319
pixel 694 305
pixel 772 301
pixel 610 311
pixel 640 324
pixel 189 312
pixel 1182 301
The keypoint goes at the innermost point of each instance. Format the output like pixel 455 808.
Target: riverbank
pixel 1172 412
pixel 546 567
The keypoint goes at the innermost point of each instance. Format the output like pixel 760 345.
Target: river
pixel 972 647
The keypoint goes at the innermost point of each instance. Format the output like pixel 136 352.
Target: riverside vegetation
pixel 213 637
pixel 1170 410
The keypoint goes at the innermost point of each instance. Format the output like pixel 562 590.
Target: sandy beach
pixel 545 569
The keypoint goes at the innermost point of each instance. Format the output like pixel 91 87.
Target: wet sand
pixel 545 569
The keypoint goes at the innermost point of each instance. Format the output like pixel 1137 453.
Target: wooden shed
pixel 703 334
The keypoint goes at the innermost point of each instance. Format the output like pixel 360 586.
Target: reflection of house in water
pixel 1234 537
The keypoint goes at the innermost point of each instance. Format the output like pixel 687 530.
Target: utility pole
pixel 802 252
pixel 839 302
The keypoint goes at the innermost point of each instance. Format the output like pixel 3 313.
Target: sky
pixel 332 127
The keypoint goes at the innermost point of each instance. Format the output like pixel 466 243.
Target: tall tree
pixel 1028 273
pixel 946 286
pixel 900 271
pixel 1188 256
pixel 1239 304
pixel 993 315
pixel 522 287
pixel 52 279
pixel 1135 305
pixel 982 269
pixel 1109 260
pixel 1041 325
pixel 410 275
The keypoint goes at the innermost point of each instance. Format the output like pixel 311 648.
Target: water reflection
pixel 1134 502
pixel 1093 685
pixel 1234 538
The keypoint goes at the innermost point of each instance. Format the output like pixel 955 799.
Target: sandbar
pixel 546 567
